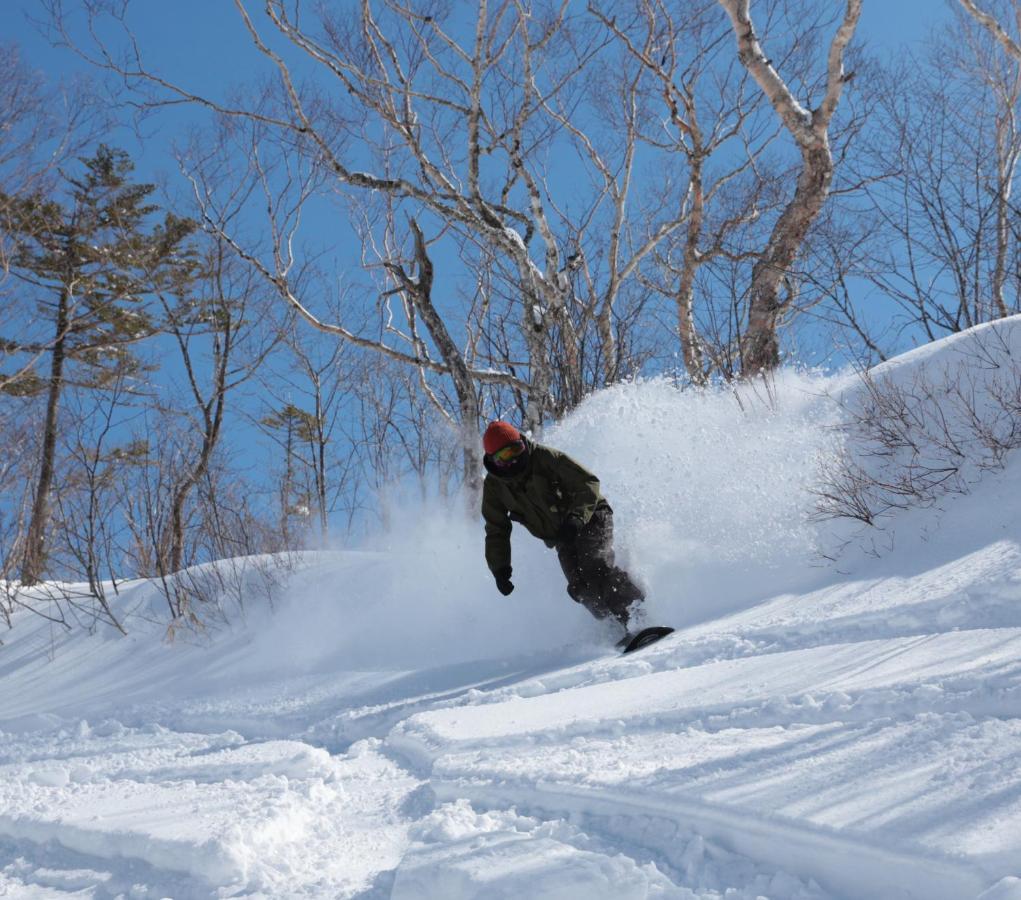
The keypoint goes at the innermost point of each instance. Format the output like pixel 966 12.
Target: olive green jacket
pixel 551 488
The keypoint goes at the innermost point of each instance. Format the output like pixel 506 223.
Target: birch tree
pixel 416 288
pixel 704 120
pixel 809 127
pixel 949 243
pixel 1004 82
pixel 411 86
pixel 992 25
pixel 86 503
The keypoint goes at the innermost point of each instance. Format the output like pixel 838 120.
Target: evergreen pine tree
pixel 295 427
pixel 88 260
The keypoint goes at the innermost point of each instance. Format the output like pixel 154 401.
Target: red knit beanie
pixel 498 435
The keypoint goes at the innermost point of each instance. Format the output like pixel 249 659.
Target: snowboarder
pixel 559 502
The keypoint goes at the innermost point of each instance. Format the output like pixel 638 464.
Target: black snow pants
pixel 593 580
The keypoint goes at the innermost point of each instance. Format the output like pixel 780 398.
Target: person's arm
pixel 498 532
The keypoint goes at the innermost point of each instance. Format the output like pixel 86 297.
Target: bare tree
pixel 392 71
pixel 947 241
pixel 912 439
pixel 416 287
pixel 44 126
pixel 990 23
pixel 86 504
pixel 404 446
pixel 810 130
pixel 848 249
pixel 21 428
pixel 1004 84
pixel 308 401
pixel 700 120
pixel 148 487
pixel 214 318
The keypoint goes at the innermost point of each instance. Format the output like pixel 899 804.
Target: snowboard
pixel 631 642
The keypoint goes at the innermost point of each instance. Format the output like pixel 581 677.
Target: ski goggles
pixel 508 454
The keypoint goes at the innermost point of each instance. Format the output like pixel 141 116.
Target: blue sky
pixel 205 35
pixel 203 43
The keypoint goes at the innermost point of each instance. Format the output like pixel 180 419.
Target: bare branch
pixel 994 28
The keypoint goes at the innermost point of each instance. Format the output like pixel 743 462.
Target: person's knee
pixel 596 572
pixel 576 590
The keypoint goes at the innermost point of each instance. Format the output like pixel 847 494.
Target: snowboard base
pixel 632 642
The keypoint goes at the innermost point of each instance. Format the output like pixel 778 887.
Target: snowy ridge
pixel 809 732
pixel 848 866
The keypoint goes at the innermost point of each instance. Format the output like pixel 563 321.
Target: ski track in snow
pixel 833 734
pixel 842 769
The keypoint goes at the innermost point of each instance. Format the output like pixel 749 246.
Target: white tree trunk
pixel 810 129
pixel 994 28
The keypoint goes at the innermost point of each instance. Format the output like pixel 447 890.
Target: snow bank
pixel 927 425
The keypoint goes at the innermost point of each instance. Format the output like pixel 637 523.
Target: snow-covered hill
pixel 393 727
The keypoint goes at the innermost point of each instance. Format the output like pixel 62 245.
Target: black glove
pixel 570 528
pixel 503 582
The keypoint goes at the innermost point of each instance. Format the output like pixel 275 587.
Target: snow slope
pixel 812 730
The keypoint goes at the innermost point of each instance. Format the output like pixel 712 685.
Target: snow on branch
pixel 807 127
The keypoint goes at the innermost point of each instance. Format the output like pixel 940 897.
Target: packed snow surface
pixel 836 716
